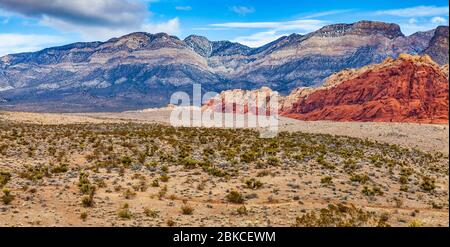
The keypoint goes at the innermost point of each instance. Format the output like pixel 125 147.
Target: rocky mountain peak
pixel 199 44
pixel 389 30
pixel 438 46
pixel 142 40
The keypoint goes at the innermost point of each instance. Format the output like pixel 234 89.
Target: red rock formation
pixel 408 89
pixel 256 102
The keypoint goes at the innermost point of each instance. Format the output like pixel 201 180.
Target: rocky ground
pixel 133 169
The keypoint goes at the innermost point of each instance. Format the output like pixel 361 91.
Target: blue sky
pixel 30 25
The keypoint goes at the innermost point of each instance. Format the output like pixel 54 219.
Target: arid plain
pixel 134 169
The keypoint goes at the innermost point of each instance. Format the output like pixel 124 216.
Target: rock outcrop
pixel 407 89
pixel 262 101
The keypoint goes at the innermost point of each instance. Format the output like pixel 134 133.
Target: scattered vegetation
pixel 341 215
pixel 126 160
pixel 235 197
pixel 7 197
pixel 124 212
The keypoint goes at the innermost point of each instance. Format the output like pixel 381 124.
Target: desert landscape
pixel 357 95
pixel 134 169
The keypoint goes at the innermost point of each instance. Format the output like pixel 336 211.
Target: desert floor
pixel 133 169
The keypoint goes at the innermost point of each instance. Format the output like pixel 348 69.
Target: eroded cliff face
pixel 407 89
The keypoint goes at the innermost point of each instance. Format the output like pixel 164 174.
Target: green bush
pixel 428 184
pixel 124 212
pixel 327 180
pixel 253 184
pixel 235 197
pixel 187 210
pixel 4 178
pixel 7 197
pixel 151 213
pixel 360 178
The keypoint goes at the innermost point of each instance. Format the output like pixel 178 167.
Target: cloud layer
pixel 101 13
pixel 274 30
pixel 418 11
pixel 16 43
pixel 242 10
pixel 94 20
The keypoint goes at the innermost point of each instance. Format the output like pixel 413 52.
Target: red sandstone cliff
pixel 408 89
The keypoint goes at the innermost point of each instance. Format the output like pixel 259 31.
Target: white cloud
pixel 94 20
pixel 171 27
pixel 118 13
pixel 421 24
pixel 412 21
pixel 274 30
pixel 439 20
pixel 418 11
pixel 327 13
pixel 242 10
pixel 258 39
pixel 14 43
pixel 103 33
pixel 183 8
pixel 302 25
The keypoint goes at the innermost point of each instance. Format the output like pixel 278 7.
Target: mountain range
pixel 410 88
pixel 142 70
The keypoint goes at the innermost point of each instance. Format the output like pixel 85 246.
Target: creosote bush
pixel 235 197
pixel 7 197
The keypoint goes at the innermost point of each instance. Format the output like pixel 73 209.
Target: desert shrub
pixel 248 157
pixel 4 178
pixel 428 184
pixel 83 216
pixel 126 161
pixel 165 168
pixel 340 215
pixel 253 184
pixel 84 184
pixel 359 178
pixel 215 171
pixel 404 188
pixel 415 223
pixel 124 212
pixel 129 194
pixel 151 213
pixel 323 162
pixel 60 169
pixel 242 210
pixel 273 161
pixel 263 173
pixel 403 179
pixel 327 180
pixel 35 172
pixel 164 178
pixel 7 197
pixel 155 183
pixel 374 191
pixel 189 163
pixel 170 222
pixel 235 197
pixel 87 201
pixel 187 209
